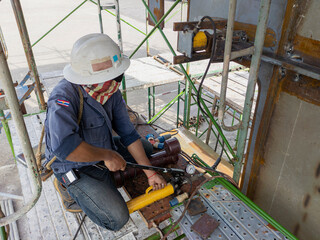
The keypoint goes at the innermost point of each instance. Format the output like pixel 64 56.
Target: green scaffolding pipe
pixel 6 128
pixel 58 23
pixel 129 24
pixel 156 26
pixel 3 233
pixel 185 73
pixel 225 151
pixel 163 110
pixel 246 200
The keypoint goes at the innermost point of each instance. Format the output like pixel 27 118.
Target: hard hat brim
pixel 76 78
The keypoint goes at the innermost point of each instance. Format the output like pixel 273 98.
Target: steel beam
pixel 253 77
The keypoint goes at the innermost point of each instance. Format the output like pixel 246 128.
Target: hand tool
pixel 173 171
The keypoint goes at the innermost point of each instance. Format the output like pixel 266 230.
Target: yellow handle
pixel 149 189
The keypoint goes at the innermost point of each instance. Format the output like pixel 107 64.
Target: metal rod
pixel 187 99
pixel 14 227
pixel 149 103
pixel 198 122
pixel 11 196
pixel 253 76
pixel 7 84
pixel 226 62
pixel 100 16
pixel 214 104
pixel 116 2
pixel 241 53
pixel 62 20
pixel 155 27
pixel 6 128
pixel 147 29
pixel 192 85
pixel 178 104
pixel 153 100
pixel 16 6
pixel 163 110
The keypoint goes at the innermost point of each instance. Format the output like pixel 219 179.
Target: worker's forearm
pixel 137 151
pixel 88 153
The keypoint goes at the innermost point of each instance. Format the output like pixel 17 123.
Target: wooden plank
pixel 191 144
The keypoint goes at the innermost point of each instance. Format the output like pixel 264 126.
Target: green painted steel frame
pixel 192 85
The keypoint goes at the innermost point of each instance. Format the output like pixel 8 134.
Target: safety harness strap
pixel 46 171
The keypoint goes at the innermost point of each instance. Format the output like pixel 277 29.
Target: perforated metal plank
pixel 237 221
pixel 239 217
pixel 222 232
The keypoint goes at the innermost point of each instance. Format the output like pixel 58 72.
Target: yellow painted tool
pixel 149 197
pixel 200 41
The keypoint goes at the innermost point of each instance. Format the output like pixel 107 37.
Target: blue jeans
pixel 96 194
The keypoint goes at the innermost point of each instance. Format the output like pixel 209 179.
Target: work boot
pixel 68 203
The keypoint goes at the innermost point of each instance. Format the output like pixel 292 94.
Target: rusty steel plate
pixel 205 226
pixel 196 207
pixel 157 9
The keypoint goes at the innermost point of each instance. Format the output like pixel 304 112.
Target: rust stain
pixel 308 49
pixel 272 227
pixel 296 229
pixel 207 195
pixel 158 12
pixel 287 22
pixel 318 171
pixel 306 89
pixel 250 29
pixel 304 218
pixel 306 201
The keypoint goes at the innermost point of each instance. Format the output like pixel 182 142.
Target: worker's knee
pixel 116 219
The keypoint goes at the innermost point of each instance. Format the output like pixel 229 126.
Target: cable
pixel 75 236
pixel 215 165
pixel 209 63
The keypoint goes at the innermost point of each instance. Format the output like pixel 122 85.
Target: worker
pixel 92 83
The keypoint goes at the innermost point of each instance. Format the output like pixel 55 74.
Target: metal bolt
pixel 283 72
pixel 289 49
pixel 297 77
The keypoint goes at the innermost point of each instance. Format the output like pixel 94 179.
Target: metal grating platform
pixel 237 221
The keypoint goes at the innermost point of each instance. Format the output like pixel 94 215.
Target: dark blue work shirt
pixel 63 134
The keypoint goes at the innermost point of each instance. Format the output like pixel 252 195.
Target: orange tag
pixel 101 64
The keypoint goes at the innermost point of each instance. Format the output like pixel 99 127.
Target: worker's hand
pixel 157 182
pixel 115 162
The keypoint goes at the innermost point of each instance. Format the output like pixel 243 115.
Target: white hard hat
pixel 95 58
